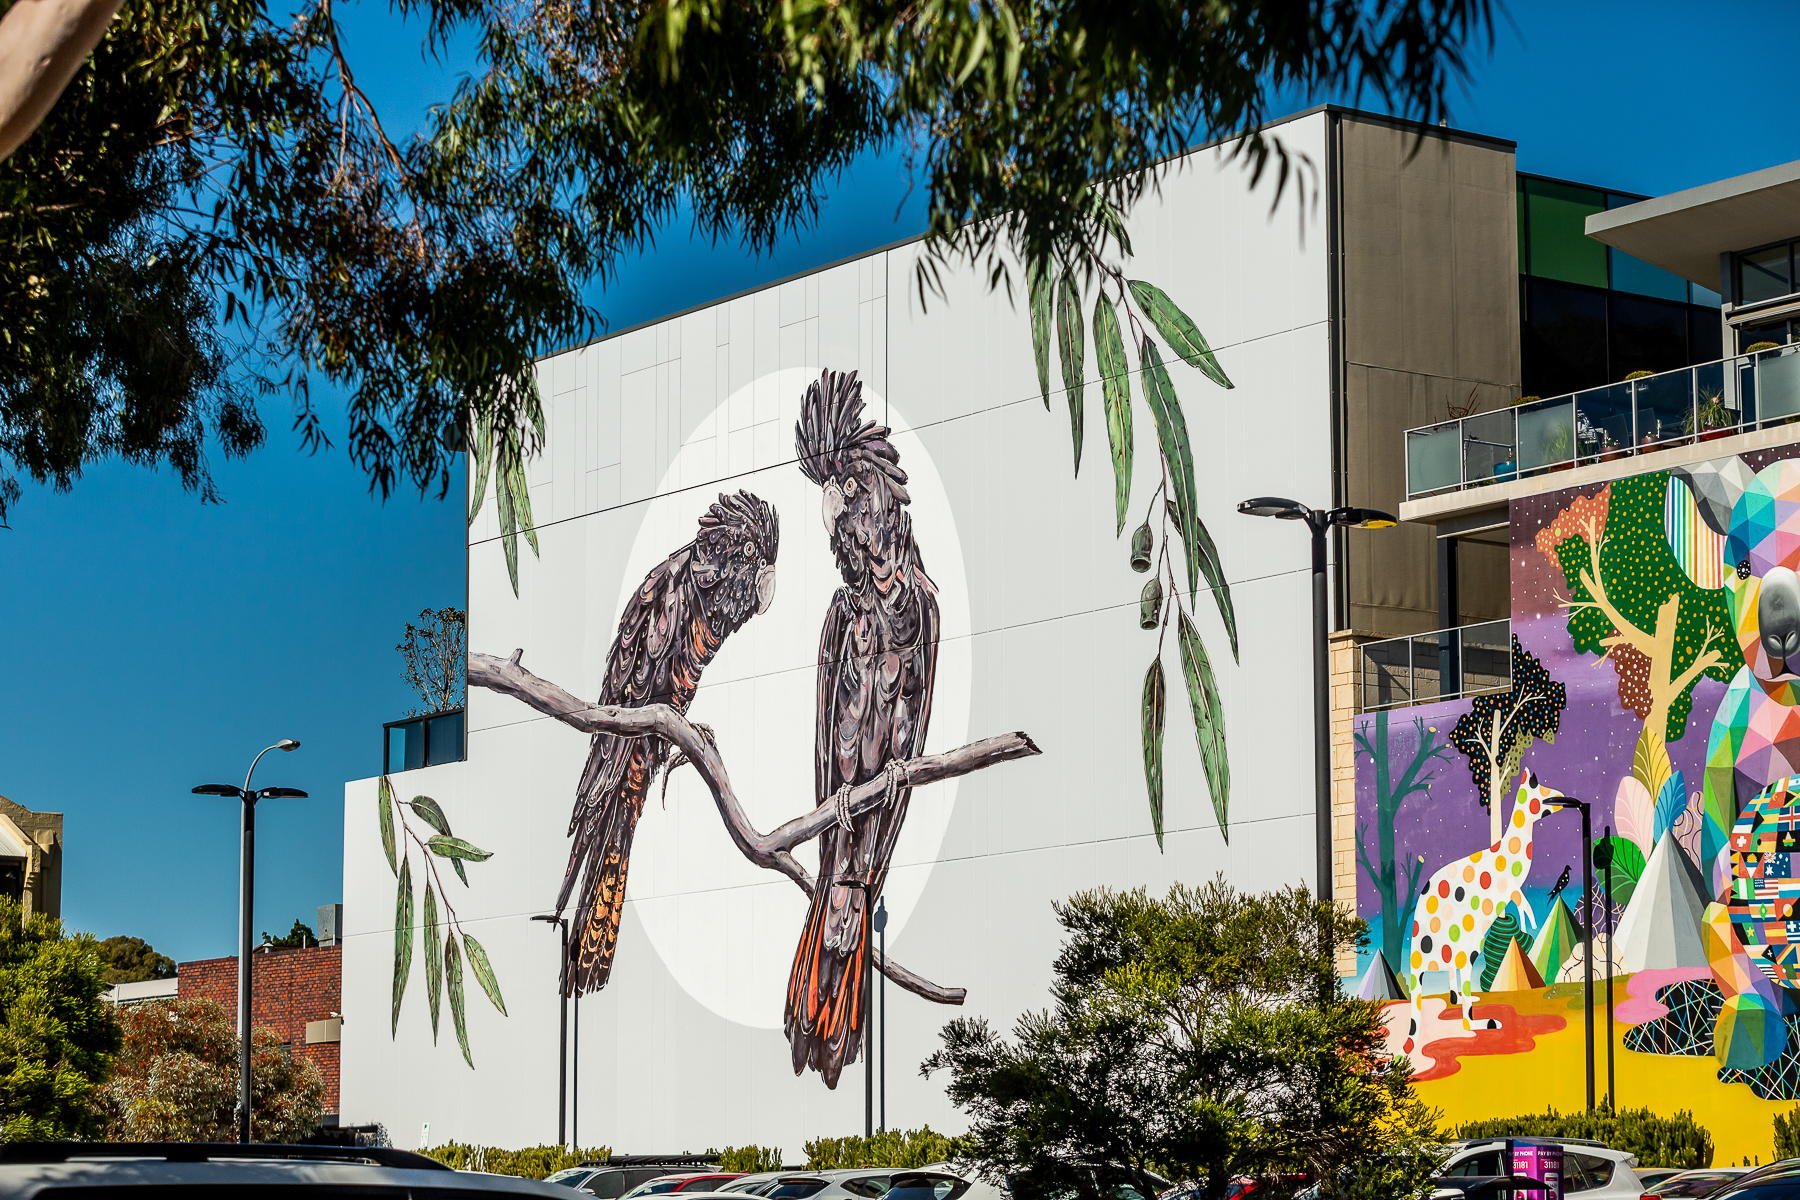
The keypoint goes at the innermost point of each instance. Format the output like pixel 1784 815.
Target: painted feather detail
pixel 1635 815
pixel 1669 805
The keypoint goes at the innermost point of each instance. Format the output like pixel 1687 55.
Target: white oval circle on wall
pixel 725 928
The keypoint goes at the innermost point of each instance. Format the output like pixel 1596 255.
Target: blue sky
pixel 157 643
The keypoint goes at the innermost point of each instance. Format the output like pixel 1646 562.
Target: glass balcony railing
pixel 1656 412
pixel 423 741
pixel 1441 665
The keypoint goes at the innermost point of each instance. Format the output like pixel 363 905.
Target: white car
pixel 1590 1170
pixel 30 1169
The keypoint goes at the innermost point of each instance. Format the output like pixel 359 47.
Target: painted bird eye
pixel 749 549
pixel 850 486
pixel 1743 569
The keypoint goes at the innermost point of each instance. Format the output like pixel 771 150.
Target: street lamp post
pixel 1318 520
pixel 868 1043
pixel 1587 929
pixel 246 903
pixel 881 931
pixel 562 1045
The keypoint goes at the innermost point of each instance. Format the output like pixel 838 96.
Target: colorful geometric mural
pixel 1684 584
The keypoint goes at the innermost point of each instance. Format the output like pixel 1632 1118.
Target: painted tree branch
pixel 773 850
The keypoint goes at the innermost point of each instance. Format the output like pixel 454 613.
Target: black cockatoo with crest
pixel 877 665
pixel 673 625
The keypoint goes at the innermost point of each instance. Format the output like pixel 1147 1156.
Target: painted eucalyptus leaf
pixel 1115 390
pixel 1213 571
pixel 453 989
pixel 509 536
pixel 385 802
pixel 403 931
pixel 1209 720
pixel 522 501
pixel 1039 280
pixel 1172 435
pixel 1151 719
pixel 1071 342
pixel 445 846
pixel 1178 330
pixel 430 813
pixel 434 958
pixel 482 457
pixel 484 972
pixel 460 873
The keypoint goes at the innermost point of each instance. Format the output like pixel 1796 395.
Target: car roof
pixel 1581 1144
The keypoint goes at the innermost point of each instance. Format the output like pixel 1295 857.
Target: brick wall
pixel 1345 680
pixel 289 987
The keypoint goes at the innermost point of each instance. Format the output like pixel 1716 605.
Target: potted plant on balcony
pixel 1559 447
pixel 1610 448
pixel 1759 347
pixel 1710 418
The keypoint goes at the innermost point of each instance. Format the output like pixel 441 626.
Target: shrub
pixel 1759 347
pixel 1638 375
pixel 750 1159
pixel 1787 1134
pixel 893 1148
pixel 533 1162
pixel 1677 1141
pixel 57 1035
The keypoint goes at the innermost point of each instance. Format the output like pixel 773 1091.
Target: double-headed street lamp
pixel 562 1045
pixel 868 1043
pixel 1319 520
pixel 246 899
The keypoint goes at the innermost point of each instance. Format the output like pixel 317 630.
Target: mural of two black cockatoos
pixel 877 664
pixel 673 625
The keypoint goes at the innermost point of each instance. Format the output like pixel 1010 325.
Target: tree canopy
pixel 177 1079
pixel 217 162
pixel 57 1035
pixel 133 960
pixel 1202 1036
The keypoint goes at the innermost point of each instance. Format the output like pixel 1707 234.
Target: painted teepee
pixel 1558 938
pixel 1662 925
pixel 1378 982
pixel 1515 973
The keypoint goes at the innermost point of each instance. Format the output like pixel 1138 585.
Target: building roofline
pixel 1436 131
pixel 1685 232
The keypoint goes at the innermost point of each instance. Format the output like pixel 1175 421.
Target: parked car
pixel 1593 1171
pixel 29 1169
pixel 1703 1181
pixel 1103 1181
pixel 610 1182
pixel 862 1183
pixel 681 1181
pixel 1777 1181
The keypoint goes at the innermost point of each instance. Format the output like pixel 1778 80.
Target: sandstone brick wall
pixel 1345 663
pixel 289 987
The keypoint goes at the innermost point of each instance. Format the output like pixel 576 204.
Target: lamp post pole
pixel 868 1042
pixel 1587 931
pixel 246 911
pixel 1318 521
pixel 562 1044
pixel 881 919
pixel 1603 859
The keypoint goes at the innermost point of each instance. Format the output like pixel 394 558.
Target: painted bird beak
pixel 833 506
pixel 765 589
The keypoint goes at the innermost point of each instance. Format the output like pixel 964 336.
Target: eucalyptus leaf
pixel 430 813
pixel 385 803
pixel 1214 573
pixel 1115 389
pixel 1039 279
pixel 453 988
pixel 1151 719
pixel 1209 720
pixel 509 536
pixel 403 931
pixel 460 873
pixel 1172 435
pixel 1071 342
pixel 481 456
pixel 445 846
pixel 434 958
pixel 484 972
pixel 515 471
pixel 1178 330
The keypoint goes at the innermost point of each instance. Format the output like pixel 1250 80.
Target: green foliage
pixel 443 968
pixel 533 1162
pixel 1677 1141
pixel 58 1038
pixel 1787 1134
pixel 434 654
pixel 1202 1036
pixel 299 936
pixel 894 1148
pixel 1639 573
pixel 749 1159
pixel 177 1079
pixel 132 960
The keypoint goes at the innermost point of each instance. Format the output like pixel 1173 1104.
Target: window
pixel 1485 1163
pixel 1563 338
pixel 1585 1172
pixel 867 1185
pixel 794 1189
pixel 422 741
pixel 1764 275
pixel 927 1187
pixel 1647 335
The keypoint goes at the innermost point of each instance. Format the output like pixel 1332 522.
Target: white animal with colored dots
pixel 1459 903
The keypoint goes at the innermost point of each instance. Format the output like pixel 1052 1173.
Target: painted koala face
pixel 1747 541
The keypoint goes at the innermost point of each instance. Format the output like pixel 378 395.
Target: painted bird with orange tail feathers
pixel 877 665
pixel 673 625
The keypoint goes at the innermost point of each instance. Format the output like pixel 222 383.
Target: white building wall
pixel 684 1049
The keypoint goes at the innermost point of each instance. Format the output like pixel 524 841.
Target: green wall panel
pixel 1555 223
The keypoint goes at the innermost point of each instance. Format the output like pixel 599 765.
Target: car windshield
pixel 569 1177
pixel 927 1187
pixel 1692 1185
pixel 865 1185
pixel 747 1185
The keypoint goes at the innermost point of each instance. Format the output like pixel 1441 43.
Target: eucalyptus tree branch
pixel 772 851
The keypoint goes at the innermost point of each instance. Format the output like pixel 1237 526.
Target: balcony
pixel 1658 412
pixel 1445 664
pixel 425 741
